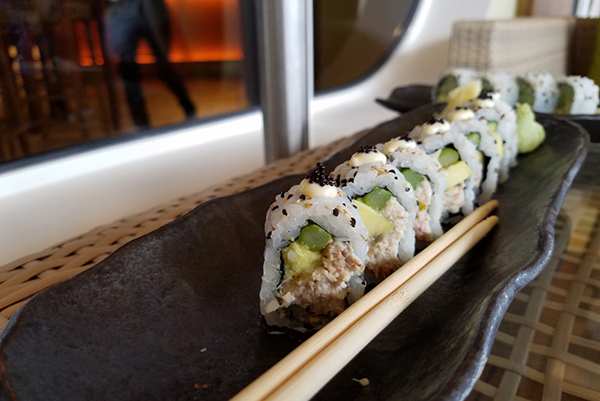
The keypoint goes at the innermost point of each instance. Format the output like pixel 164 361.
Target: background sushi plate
pixel 410 97
pixel 174 315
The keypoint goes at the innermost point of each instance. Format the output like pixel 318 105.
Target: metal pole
pixel 285 47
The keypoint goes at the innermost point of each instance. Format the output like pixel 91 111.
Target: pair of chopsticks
pixel 303 372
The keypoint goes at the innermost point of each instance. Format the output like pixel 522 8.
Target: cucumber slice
pixel 475 138
pixel 565 99
pixel 377 198
pixel 448 157
pixel 493 125
pixel 526 92
pixel 446 84
pixel 314 238
pixel 413 178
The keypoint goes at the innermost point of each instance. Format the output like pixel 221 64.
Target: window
pixel 353 37
pixel 79 71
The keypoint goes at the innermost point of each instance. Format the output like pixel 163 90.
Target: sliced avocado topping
pixel 298 259
pixel 446 84
pixel 448 157
pixel 499 143
pixel 475 138
pixel 565 98
pixel 377 198
pixel 526 92
pixel 479 156
pixel 413 178
pixel 493 126
pixel 531 133
pixel 487 85
pixel 377 224
pixel 456 173
pixel 314 238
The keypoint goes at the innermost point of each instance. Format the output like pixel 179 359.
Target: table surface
pixel 547 346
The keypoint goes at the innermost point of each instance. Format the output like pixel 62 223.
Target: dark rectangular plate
pixel 178 308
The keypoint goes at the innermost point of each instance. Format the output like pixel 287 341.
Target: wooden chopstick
pixel 318 371
pixel 293 362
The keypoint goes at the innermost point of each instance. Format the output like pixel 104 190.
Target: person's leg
pixel 167 73
pixel 123 25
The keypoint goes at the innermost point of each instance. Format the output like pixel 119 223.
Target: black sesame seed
pixel 395 178
pixel 367 149
pixel 284 212
pixel 282 195
pixel 275 207
pixel 303 197
pixel 434 120
pixel 407 189
pixel 336 212
pixel 486 94
pixel 353 222
pixel 269 235
pixel 343 204
pixel 351 180
pixel 290 196
pixel 354 206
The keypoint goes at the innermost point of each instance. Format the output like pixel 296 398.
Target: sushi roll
pixel 539 90
pixel 503 83
pixel 577 95
pixel 315 252
pixel 452 79
pixel 387 205
pixel 489 151
pixel 502 123
pixel 459 160
pixel 424 175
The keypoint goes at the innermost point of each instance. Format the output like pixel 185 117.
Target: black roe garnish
pixel 318 176
pixel 269 235
pixel 486 94
pixel 434 120
pixel 275 207
pixel 290 196
pixel 353 222
pixel 284 212
pixel 367 149
pixel 336 212
pixel 303 197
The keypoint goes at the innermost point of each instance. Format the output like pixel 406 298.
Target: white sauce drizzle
pixel 313 189
pixel 435 128
pixel 461 115
pixel 359 158
pixel 399 144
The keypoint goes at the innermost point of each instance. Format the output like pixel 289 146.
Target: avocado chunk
pixel 531 133
pixel 446 84
pixel 499 143
pixel 377 198
pixel 413 178
pixel 479 156
pixel 299 259
pixel 376 223
pixel 526 92
pixel 314 238
pixel 492 126
pixel 456 173
pixel 565 98
pixel 475 138
pixel 448 157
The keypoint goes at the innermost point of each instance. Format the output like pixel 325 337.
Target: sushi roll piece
pixel 451 80
pixel 424 175
pixel 577 95
pixel 502 123
pixel 387 205
pixel 538 90
pixel 489 151
pixel 503 83
pixel 316 245
pixel 459 160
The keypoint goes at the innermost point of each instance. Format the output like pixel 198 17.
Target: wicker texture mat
pixel 547 346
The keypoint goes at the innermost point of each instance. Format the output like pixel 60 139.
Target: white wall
pixel 48 203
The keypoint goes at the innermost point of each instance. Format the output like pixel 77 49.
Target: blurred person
pixel 129 21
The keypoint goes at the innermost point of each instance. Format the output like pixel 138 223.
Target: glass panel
pixel 354 37
pixel 75 71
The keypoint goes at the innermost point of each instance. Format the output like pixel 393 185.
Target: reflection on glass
pixel 74 71
pixel 353 37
